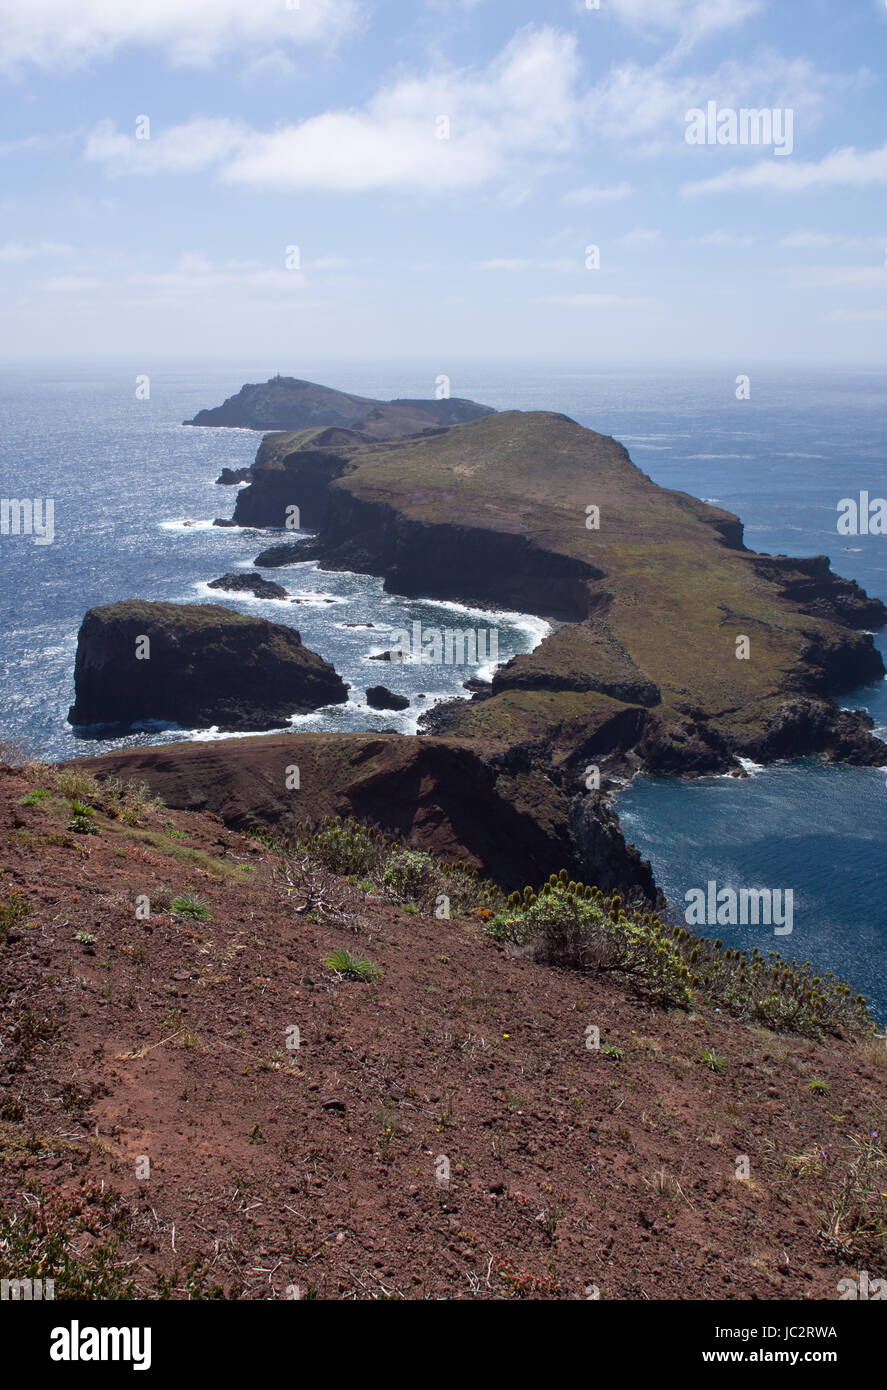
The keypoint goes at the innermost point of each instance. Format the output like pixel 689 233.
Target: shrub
pixel 572 926
pixel 129 802
pixel 188 905
pixel 358 851
pixel 411 874
pixel 353 967
pixel 82 820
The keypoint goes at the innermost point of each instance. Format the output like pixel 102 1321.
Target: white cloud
pixel 195 278
pixel 580 197
pixel 639 236
pixel 594 301
pixel 644 107
pixel 847 168
pixel 720 237
pixel 803 240
pixel 522 104
pixel 841 277
pixel 183 149
pixel 62 34
pixel 691 19
pixel 12 252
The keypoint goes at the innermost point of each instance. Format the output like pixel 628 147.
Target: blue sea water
pixel 126 476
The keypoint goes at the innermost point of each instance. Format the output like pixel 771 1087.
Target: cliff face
pixel 196 665
pixel 448 558
pixel 496 809
pixel 288 403
pixel 659 594
pixel 301 480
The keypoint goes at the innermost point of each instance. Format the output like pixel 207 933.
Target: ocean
pixel 134 499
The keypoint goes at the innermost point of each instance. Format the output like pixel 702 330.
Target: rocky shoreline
pixel 650 594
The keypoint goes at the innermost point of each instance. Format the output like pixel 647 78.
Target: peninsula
pixel 288 403
pixel 675 648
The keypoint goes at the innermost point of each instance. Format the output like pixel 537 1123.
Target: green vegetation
pixel 41 1243
pixel 712 1061
pixel 82 820
pixel 128 802
pixel 349 847
pixel 35 797
pixel 353 967
pixel 189 905
pixel 572 925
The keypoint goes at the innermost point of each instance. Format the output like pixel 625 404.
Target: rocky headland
pixel 288 403
pixel 197 665
pixel 676 648
pixel 467 801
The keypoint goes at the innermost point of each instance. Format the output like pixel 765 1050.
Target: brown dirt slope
pixel 570 1169
pixel 459 799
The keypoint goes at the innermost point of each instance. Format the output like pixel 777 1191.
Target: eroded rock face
pixel 803 726
pixel 495 809
pixel 196 665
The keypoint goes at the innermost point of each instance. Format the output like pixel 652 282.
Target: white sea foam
pixel 186 523
pixel 752 769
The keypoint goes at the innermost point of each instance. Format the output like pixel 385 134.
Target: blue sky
pixel 318 125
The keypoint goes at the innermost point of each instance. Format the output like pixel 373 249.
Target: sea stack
pixel 196 665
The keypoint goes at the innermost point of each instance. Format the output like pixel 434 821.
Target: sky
pixel 441 179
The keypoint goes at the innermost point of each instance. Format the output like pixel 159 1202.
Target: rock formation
pixel 243 582
pixel 379 697
pixel 196 665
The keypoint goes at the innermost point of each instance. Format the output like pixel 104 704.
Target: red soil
pixel 570 1169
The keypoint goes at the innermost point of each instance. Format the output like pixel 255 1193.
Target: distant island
pixel 288 403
